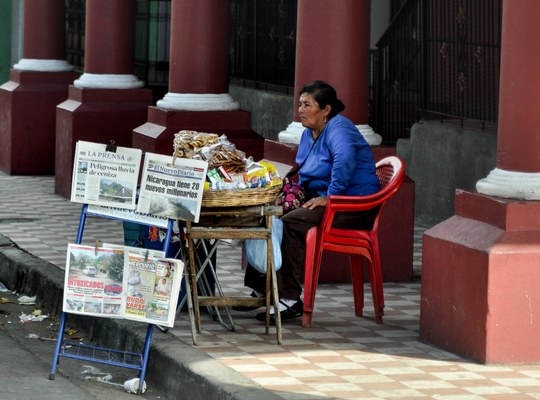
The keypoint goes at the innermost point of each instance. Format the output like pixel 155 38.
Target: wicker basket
pixel 236 198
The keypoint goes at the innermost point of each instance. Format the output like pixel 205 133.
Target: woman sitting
pixel 334 159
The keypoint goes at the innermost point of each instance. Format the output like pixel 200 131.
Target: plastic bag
pixel 255 249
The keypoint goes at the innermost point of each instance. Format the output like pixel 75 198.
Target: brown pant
pixel 293 248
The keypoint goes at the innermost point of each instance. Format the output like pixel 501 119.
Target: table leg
pixel 193 279
pixel 189 297
pixel 190 307
pixel 205 285
pixel 271 284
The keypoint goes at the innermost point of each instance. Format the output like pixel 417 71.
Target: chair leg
pixel 377 267
pixel 375 276
pixel 311 275
pixel 378 274
pixel 357 273
pixel 309 270
pixel 306 319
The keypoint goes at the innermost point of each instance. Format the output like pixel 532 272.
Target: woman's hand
pixel 315 202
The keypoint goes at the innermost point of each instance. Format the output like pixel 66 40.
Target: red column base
pixel 95 115
pixel 27 106
pixel 157 134
pixel 480 280
pixel 396 228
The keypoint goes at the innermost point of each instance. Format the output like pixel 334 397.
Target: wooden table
pixel 252 222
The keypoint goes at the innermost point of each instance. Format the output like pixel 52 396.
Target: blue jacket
pixel 340 162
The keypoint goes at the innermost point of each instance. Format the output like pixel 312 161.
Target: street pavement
pixel 26 350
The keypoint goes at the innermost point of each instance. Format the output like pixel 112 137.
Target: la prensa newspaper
pixel 105 178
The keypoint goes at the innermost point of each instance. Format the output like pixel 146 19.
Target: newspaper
pixel 122 282
pixel 172 188
pixel 148 253
pixel 94 281
pixel 129 215
pixel 153 287
pixel 106 178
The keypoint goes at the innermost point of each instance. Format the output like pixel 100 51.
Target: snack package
pixel 187 144
pixel 225 174
pixel 228 185
pixel 273 174
pixel 255 170
pixel 214 176
pixel 225 154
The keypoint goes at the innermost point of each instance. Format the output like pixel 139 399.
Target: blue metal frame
pixel 138 361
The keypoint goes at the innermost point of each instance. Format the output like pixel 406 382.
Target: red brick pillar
pixel 109 41
pixel 199 70
pixel 480 274
pixel 44 37
pixel 338 55
pixel 107 101
pixel 38 82
pixel 332 44
pixel 517 174
pixel 198 97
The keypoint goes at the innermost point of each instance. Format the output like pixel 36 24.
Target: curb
pixel 190 373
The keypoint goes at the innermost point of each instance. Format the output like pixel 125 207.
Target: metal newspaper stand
pixel 119 358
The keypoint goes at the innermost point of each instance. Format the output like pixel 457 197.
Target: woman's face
pixel 310 113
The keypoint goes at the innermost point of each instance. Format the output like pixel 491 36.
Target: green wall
pixel 5 40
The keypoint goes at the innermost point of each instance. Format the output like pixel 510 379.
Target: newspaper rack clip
pixel 97 246
pixel 111 147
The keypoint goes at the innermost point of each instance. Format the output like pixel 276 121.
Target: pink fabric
pixel 292 195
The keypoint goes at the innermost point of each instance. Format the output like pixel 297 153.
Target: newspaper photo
pixel 94 281
pixel 105 176
pixel 172 188
pixel 153 287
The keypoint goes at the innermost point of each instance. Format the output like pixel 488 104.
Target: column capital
pixel 42 65
pixel 510 184
pixel 108 81
pixel 198 102
pixel 373 138
pixel 294 131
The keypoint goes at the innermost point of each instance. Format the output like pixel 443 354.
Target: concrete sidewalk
pixel 340 357
pixel 177 369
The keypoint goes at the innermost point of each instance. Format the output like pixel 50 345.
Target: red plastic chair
pixel 358 244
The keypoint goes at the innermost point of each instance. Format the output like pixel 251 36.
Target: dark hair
pixel 324 94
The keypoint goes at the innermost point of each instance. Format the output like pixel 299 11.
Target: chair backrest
pixel 390 171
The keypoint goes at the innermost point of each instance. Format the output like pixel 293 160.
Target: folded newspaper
pixel 105 177
pixel 172 187
pixel 122 282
